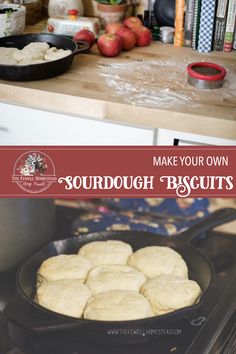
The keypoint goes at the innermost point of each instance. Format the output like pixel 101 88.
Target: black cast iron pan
pixel 44 70
pixel 39 325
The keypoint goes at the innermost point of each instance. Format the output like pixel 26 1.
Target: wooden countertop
pixel 144 87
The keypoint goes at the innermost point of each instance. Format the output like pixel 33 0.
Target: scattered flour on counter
pixel 158 83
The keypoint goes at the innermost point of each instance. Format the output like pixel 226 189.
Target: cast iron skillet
pixel 40 71
pixel 36 322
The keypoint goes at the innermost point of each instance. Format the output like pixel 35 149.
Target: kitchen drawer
pixel 171 137
pixel 26 126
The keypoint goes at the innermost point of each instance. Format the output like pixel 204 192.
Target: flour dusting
pixel 158 83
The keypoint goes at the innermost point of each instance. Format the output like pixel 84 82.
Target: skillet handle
pixel 82 47
pixel 219 217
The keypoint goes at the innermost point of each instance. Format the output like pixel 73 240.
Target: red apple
pixel 85 35
pixel 128 38
pixel 113 27
pixel 132 22
pixel 109 45
pixel 143 36
pixel 50 28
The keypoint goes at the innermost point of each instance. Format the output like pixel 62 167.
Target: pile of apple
pixel 119 36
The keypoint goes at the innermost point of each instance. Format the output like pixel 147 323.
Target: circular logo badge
pixel 34 172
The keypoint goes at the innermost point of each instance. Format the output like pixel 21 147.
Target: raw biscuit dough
pixel 106 252
pixel 65 266
pixel 67 297
pixel 36 47
pixel 4 51
pixel 6 56
pixel 41 46
pixel 158 260
pixel 110 277
pixel 55 55
pixel 167 293
pixel 33 53
pixel 5 60
pixel 30 61
pixel 118 305
pixel 20 55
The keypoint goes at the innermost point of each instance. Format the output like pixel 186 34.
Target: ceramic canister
pixel 12 23
pixel 61 7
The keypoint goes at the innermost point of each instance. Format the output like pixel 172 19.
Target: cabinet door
pixel 171 137
pixel 26 126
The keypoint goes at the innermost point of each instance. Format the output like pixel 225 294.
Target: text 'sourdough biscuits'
pixel 64 266
pixel 158 260
pixel 67 297
pixel 167 293
pixel 106 252
pixel 118 305
pixel 110 277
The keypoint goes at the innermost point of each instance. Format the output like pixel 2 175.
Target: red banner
pixel 118 171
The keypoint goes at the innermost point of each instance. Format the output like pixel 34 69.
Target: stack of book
pixel 208 25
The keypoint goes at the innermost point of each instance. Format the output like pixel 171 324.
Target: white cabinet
pixel 26 126
pixel 171 137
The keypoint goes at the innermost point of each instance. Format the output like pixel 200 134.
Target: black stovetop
pixel 210 329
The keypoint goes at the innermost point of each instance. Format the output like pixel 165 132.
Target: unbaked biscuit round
pixel 167 293
pixel 110 277
pixel 37 46
pixel 20 55
pixel 106 252
pixel 5 60
pixel 5 51
pixel 64 266
pixel 157 260
pixel 55 55
pixel 118 305
pixel 67 297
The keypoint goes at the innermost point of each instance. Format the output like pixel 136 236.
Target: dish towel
pixel 167 217
pixel 206 25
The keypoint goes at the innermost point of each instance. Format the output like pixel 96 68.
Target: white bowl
pixel 14 23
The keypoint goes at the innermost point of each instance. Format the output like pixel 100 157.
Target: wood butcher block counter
pixel 145 87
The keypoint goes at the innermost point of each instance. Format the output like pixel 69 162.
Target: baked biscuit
pixel 158 260
pixel 64 266
pixel 67 297
pixel 118 305
pixel 167 293
pixel 106 252
pixel 110 277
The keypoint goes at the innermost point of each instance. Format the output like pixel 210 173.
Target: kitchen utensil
pixel 12 23
pixel 40 71
pixel 164 12
pixel 167 34
pixel 28 319
pixel 25 225
pixel 206 75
